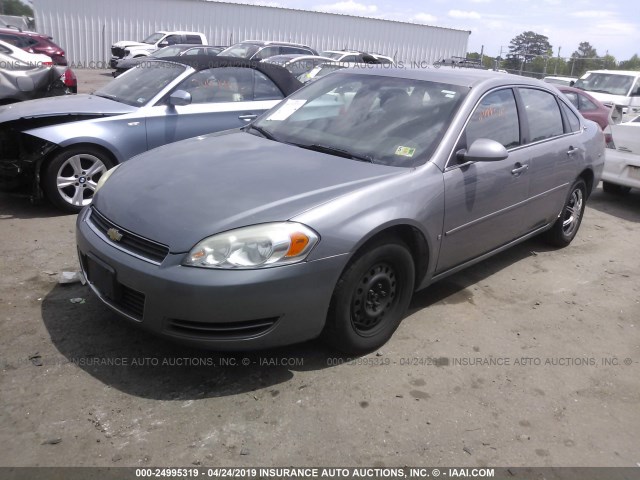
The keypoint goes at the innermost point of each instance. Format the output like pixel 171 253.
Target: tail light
pixel 69 78
pixel 47 64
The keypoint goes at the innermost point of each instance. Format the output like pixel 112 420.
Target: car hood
pixel 181 193
pixel 132 43
pixel 609 99
pixel 63 106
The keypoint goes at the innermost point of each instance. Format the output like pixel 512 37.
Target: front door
pixel 484 201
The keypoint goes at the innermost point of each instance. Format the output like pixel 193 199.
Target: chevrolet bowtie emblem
pixel 114 234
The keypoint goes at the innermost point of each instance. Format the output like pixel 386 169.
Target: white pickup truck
pixel 132 49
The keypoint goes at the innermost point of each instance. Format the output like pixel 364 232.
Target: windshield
pixel 172 51
pixel 153 38
pixel 142 83
pixel 605 83
pixel 385 120
pixel 240 50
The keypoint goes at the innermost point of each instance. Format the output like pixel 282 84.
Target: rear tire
pixel 566 226
pixel 371 298
pixel 615 189
pixel 70 178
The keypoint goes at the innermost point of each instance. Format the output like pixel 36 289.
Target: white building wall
pixel 86 29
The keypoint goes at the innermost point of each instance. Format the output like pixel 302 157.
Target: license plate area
pixel 634 172
pixel 102 277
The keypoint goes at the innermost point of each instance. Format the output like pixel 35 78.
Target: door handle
pixel 571 151
pixel 248 117
pixel 519 169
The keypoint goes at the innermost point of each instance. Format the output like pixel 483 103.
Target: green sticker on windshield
pixel 405 151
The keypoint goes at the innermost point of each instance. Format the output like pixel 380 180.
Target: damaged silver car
pixel 60 147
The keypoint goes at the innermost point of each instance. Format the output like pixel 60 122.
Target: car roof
pixel 616 72
pixel 181 32
pixel 274 42
pixel 279 75
pixel 464 77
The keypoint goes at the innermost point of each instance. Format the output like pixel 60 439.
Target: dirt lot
pixel 531 358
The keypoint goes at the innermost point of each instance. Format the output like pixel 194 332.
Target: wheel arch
pixel 44 161
pixel 411 235
pixel 589 178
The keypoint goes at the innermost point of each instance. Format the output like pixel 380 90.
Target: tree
pixel 583 59
pixel 15 7
pixel 525 46
pixel 632 64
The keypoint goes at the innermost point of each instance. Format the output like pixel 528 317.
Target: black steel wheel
pixel 371 297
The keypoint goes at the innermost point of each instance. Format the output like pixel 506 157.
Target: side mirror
pixel 636 92
pixel 163 44
pixel 25 84
pixel 179 98
pixel 483 150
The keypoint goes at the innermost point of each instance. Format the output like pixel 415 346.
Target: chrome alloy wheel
pixel 77 178
pixel 572 212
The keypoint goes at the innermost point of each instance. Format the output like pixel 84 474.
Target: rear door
pixel 222 98
pixel 555 151
pixel 485 201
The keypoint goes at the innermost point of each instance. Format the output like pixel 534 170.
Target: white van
pixel 617 88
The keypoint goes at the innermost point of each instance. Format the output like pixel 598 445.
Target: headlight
pixel 105 176
pixel 258 246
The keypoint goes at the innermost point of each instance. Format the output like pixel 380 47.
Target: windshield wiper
pixel 261 131
pixel 105 95
pixel 337 151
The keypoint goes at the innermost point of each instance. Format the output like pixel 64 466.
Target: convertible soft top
pixel 279 75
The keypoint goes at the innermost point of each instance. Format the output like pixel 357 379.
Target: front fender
pixel 123 144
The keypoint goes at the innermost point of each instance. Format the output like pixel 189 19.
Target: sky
pixel 611 26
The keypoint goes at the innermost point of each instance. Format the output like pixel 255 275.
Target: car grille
pixel 129 242
pixel 117 52
pixel 227 330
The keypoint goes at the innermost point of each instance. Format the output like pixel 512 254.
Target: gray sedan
pixel 326 214
pixel 63 145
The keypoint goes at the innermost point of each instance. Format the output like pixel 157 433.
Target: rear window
pixel 194 39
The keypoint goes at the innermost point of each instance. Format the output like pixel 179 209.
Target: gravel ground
pixel 530 358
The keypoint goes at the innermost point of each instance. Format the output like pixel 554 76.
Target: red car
pixel 33 42
pixel 588 106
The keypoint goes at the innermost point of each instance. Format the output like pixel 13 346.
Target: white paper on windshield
pixel 286 110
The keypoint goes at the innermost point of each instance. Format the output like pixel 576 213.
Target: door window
pixel 265 89
pixel 195 39
pixel 495 118
pixel 543 114
pixel 217 85
pixel 266 53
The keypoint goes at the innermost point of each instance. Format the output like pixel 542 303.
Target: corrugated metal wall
pixel 86 29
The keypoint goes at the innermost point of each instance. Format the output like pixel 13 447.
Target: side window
pixel 265 89
pixel 194 39
pixel 587 105
pixel 193 51
pixel 172 39
pixel 350 58
pixel 495 118
pixel 574 121
pixel 543 114
pixel 218 85
pixel 293 51
pixel 573 98
pixel 266 53
pixel 4 49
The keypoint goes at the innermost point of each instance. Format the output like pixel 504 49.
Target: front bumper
pixel 621 168
pixel 217 309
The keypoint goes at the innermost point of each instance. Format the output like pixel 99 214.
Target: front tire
pixel 371 298
pixel 566 226
pixel 70 178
